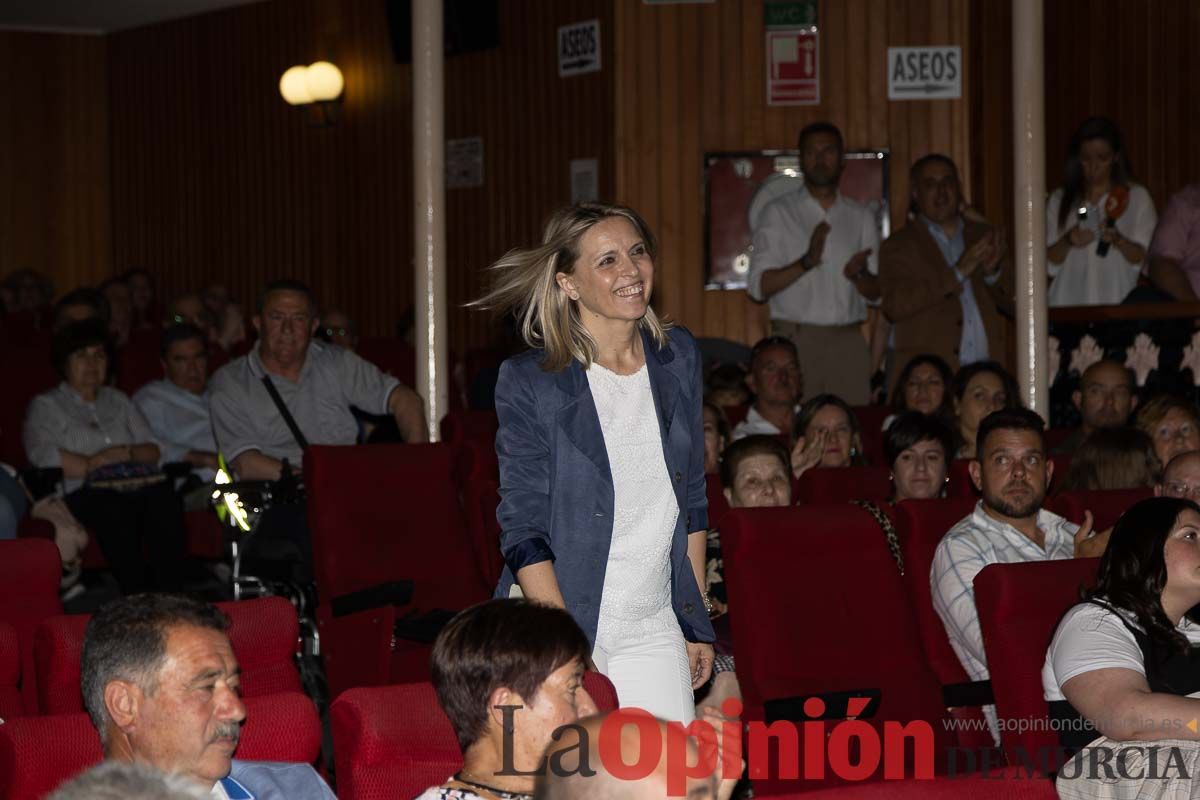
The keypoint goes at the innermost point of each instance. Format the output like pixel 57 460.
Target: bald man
pixel 1181 478
pixel 1105 398
pixel 566 780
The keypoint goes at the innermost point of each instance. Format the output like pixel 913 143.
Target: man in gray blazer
pixel 161 685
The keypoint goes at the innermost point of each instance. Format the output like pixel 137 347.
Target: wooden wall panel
pixel 216 178
pixel 54 180
pixel 709 94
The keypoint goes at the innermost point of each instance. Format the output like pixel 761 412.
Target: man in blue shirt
pixel 177 406
pixel 942 275
pixel 161 684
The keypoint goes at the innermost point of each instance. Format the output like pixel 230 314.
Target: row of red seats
pixel 819 608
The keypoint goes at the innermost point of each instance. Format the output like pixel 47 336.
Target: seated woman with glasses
pixel 827 435
pixel 1172 422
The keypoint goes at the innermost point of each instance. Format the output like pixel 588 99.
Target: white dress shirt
pixel 180 421
pixel 823 295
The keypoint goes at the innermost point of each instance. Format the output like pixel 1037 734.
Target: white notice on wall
pixel 464 163
pixel 924 73
pixel 579 48
pixel 585 180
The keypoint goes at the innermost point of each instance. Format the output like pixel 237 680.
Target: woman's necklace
pixel 473 780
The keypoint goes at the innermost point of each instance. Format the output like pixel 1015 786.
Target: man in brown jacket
pixel 942 275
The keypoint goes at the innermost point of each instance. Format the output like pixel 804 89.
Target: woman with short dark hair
pixel 109 460
pixel 507 653
pixel 918 448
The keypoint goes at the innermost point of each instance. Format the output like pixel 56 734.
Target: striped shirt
pixel 60 420
pixel 972 544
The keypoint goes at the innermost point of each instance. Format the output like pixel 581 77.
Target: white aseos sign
pixel 924 73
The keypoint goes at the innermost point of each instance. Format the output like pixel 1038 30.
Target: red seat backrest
pixel 29 573
pixel 382 514
pixel 396 741
pixel 817 605
pixel 481 497
pixel 843 484
pixel 10 673
pixel 476 425
pixel 263 633
pixel 718 506
pixel 921 524
pixel 1106 506
pixel 390 355
pixel 39 753
pixel 31 374
pixel 1019 608
pixel 870 425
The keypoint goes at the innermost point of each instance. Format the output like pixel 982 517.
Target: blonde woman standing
pixel 601 447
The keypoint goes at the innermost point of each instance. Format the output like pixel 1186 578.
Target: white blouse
pixel 1086 278
pixel 636 599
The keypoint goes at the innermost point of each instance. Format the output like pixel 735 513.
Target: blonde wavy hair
pixel 524 283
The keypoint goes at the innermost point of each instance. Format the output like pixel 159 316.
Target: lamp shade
pixel 294 87
pixel 324 81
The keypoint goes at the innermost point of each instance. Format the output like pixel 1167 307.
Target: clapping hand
pixel 816 244
pixel 807 452
pixel 1087 543
pixel 1080 236
pixel 856 265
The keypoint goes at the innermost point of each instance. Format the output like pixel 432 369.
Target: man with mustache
pixel 160 682
pixel 1009 525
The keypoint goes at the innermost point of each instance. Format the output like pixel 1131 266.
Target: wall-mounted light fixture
pixel 317 87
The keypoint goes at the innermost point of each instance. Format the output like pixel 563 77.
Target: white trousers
pixel 650 673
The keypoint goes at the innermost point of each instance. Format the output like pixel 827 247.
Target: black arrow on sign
pixel 929 88
pixel 580 62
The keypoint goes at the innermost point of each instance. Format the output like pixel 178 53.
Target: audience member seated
pixel 1181 478
pixel 1093 262
pixel 980 389
pixel 924 386
pixel 26 290
pixel 754 474
pixel 1112 458
pixel 176 408
pixel 1008 525
pixel 338 328
pixel 943 275
pixel 509 675
pixel 1105 398
pixel 78 305
pixel 726 386
pixel 777 385
pixel 1172 423
pixel 160 683
pixel 827 435
pixel 116 780
pixel 226 315
pixel 1174 262
pixel 918 448
pixel 716 437
pixel 109 460
pixel 581 772
pixel 120 310
pixel 1124 661
pixel 146 313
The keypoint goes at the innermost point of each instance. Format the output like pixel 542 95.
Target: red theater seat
pixel 39 753
pixel 263 633
pixel 480 498
pixel 841 485
pixel 477 425
pixel 1106 507
pixel 31 373
pixel 395 741
pixel 10 673
pixel 870 424
pixel 817 607
pixel 29 573
pixel 390 355
pixel 718 506
pixel 1019 609
pixel 379 516
pixel 921 524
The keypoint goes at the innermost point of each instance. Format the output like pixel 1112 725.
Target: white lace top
pixel 636 599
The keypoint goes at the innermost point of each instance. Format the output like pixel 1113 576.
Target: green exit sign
pixel 789 13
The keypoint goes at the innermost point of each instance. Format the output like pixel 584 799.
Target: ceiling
pixel 100 16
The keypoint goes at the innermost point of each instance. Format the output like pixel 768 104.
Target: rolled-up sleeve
pixel 524 455
pixel 43 433
pixel 366 386
pixel 771 248
pixel 697 513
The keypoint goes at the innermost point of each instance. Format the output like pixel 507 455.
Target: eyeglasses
pixel 332 332
pixel 1182 491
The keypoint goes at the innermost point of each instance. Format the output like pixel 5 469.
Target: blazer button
pixel 599 514
pixel 688 608
pixel 678 477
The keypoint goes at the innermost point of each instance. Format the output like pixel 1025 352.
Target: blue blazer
pixel 556 487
